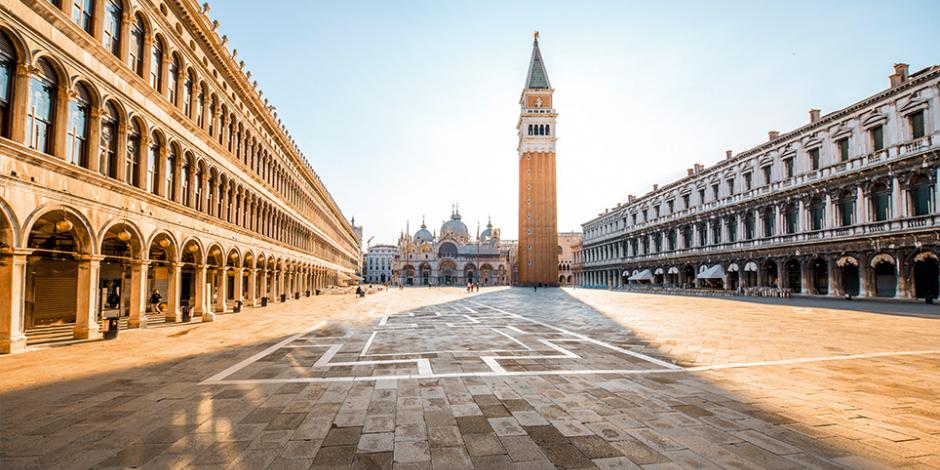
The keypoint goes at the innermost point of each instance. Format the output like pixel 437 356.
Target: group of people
pixel 472 287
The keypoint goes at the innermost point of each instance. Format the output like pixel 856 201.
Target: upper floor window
pixel 685 201
pixel 846 207
pixel 156 65
pixel 76 146
pixel 814 158
pixel 188 94
pixel 767 174
pixel 135 58
pixel 791 218
pixel 716 231
pixel 842 149
pixel 702 235
pixel 132 156
pixel 732 229
pixel 921 193
pixel 747 181
pixel 172 157
pixel 877 135
pixel 701 196
pixel 40 117
pixel 715 192
pixel 173 80
pixel 108 162
pixel 817 214
pixel 645 216
pixel 788 167
pixel 769 222
pixel 917 124
pixel 881 202
pixel 670 204
pixel 113 15
pixel 687 237
pixel 730 186
pixel 749 226
pixel 7 78
pixel 153 164
pixel 82 13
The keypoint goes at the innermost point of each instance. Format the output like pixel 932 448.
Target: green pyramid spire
pixel 538 77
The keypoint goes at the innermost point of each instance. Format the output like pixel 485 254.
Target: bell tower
pixel 538 212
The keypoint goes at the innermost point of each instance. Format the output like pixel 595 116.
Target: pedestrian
pixel 155 300
pixel 535 287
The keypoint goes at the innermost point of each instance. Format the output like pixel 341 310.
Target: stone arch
pixel 84 233
pixel 24 55
pixel 117 228
pixel 192 251
pixel 170 247
pixel 215 255
pixel 9 226
pixel 882 258
pixel 233 257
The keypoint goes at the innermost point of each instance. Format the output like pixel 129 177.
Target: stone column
pixel 222 290
pixel 60 124
pixel 807 278
pixel 94 140
pixel 173 312
pixel 86 302
pixel 861 215
pixel 252 287
pixel 864 277
pixel 12 294
pixel 20 103
pixel 203 297
pixel 836 289
pixel 239 293
pixel 126 22
pixel 138 315
pixel 905 283
pixel 897 199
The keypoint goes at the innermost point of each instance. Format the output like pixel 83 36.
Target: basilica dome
pixel 423 235
pixel 454 227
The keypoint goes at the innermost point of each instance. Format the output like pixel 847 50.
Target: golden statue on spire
pixel 536 36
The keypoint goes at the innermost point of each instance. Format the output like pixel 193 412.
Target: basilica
pixel 451 257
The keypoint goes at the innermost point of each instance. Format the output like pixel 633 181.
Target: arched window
pixel 548 129
pixel 83 12
pixel 212 108
pixel 132 157
pixel 172 157
pixel 791 217
pixel 200 106
pixel 817 213
pixel 530 129
pixel 749 226
pixel 156 65
pixel 153 164
pixel 107 164
pixel 188 94
pixel 185 175
pixel 76 147
pixel 197 191
pixel 231 133
pixel 846 209
pixel 7 78
pixel 135 58
pixel 113 14
pixel 40 118
pixel 769 223
pixel 881 202
pixel 173 80
pixel 921 193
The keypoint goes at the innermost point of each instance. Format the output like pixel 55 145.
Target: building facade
pixel 845 205
pixel 567 243
pixel 137 155
pixel 451 258
pixel 538 213
pixel 377 264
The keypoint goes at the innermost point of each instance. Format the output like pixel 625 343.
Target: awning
pixel 733 268
pixel 673 270
pixel 644 275
pixel 659 271
pixel 750 266
pixel 714 272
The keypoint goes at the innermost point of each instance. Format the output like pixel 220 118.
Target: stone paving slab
pixel 507 378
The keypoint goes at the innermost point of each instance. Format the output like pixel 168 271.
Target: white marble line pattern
pixel 424 365
pixel 602 344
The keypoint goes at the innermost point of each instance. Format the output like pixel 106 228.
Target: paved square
pixel 437 378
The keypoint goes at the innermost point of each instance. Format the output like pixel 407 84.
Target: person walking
pixel 155 300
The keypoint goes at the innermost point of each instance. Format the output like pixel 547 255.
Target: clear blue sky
pixel 406 107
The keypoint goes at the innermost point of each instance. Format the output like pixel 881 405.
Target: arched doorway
pixel 408 275
pixel 57 290
pixel 886 279
pixel 486 275
pixel 425 270
pixel 659 276
pixel 448 272
pixel 733 276
pixel 215 265
pixel 771 279
pixel 750 274
pixel 163 278
pixel 926 275
pixel 689 276
pixel 470 273
pixel 193 279
pixel 234 281
pixel 849 278
pixel 819 270
pixel 121 273
pixel 794 276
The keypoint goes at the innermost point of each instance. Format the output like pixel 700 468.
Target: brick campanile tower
pixel 538 213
